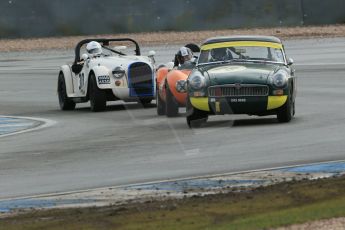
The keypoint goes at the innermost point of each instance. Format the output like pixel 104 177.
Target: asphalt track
pixel 130 144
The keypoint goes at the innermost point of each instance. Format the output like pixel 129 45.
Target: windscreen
pixel 113 48
pixel 243 52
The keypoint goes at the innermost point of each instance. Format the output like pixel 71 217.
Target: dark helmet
pixel 182 54
pixel 219 54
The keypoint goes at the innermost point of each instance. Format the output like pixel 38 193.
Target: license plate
pixel 238 100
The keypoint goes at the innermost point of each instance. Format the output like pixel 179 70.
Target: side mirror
pixel 84 57
pixel 290 61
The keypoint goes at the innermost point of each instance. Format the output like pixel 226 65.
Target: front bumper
pixel 124 93
pixel 238 105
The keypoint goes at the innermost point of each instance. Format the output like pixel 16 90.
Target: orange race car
pixel 171 82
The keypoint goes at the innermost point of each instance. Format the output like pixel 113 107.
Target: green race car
pixel 241 75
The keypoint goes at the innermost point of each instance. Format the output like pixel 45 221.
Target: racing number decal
pixel 103 79
pixel 81 81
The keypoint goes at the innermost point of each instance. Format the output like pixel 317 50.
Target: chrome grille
pixel 238 90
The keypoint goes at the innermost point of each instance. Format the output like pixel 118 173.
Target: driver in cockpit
pixel 94 49
pixel 220 54
pixel 185 59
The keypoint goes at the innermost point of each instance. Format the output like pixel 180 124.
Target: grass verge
pixel 262 208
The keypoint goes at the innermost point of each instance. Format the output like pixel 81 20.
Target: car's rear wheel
pixel 286 113
pixel 64 102
pixel 98 98
pixel 171 103
pixel 160 104
pixel 195 117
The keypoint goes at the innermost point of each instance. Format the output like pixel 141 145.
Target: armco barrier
pixel 36 18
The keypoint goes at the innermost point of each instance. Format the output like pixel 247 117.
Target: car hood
pixel 249 73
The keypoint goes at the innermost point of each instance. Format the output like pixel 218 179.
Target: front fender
pixel 67 73
pixel 160 80
pixel 103 77
pixel 174 76
pixel 161 75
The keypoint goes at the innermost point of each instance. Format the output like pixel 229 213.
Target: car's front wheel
pixel 171 103
pixel 64 101
pixel 195 117
pixel 286 113
pixel 98 98
pixel 160 104
pixel 145 102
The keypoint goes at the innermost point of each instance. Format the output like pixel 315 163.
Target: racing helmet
pixel 219 54
pixel 94 48
pixel 184 54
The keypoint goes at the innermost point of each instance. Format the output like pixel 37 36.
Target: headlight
pixel 197 81
pixel 119 72
pixel 280 79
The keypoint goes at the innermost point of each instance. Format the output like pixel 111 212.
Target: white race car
pixel 106 76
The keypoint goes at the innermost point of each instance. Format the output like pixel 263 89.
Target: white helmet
pixel 94 48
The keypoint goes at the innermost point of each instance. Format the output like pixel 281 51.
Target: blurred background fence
pixel 41 18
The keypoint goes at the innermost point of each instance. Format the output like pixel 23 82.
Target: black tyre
pixel 64 102
pixel 160 104
pixel 195 118
pixel 286 113
pixel 98 98
pixel 145 102
pixel 171 105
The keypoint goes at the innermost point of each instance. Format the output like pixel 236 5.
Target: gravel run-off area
pixel 8 45
pixel 331 224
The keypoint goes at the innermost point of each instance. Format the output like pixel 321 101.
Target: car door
pixel 80 80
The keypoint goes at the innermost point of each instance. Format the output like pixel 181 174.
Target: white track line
pixel 46 123
pixel 50 195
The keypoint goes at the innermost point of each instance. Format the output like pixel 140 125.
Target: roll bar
pixel 105 42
